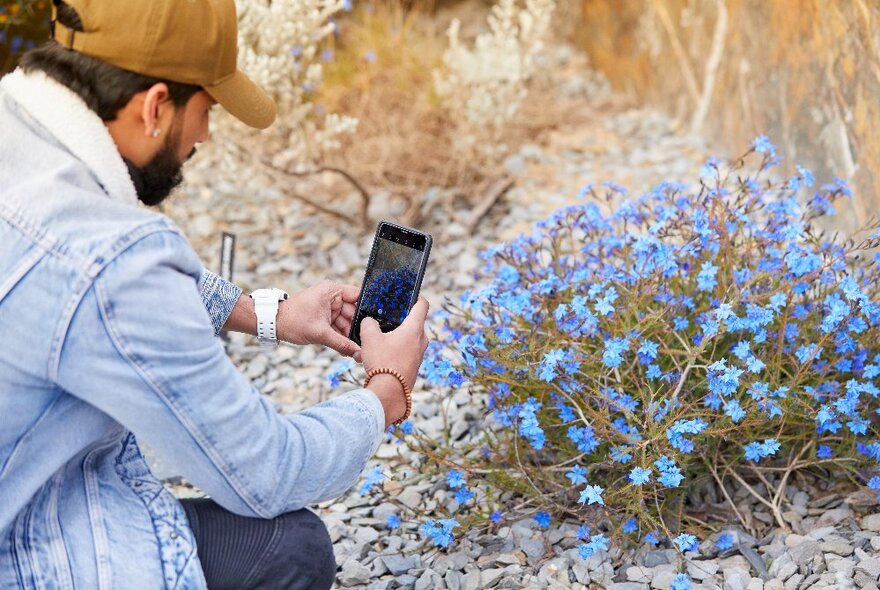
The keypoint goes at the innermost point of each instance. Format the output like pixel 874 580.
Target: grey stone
pixel 581 572
pixel 470 581
pixel 755 584
pixel 774 584
pixel 736 578
pixel 639 574
pixel 353 573
pixel 427 581
pixel 793 582
pixel 628 586
pixel 837 546
pixel 662 579
pixel 822 533
pixel 783 561
pixel 453 580
pixel 700 570
pixel 840 566
pixel 410 497
pixel 755 561
pixel 490 576
pixel 870 566
pixel 655 558
pixel 863 580
pixel 805 552
pixel 871 522
pixel 533 548
pixel 399 564
pixel 809 581
pixel 787 571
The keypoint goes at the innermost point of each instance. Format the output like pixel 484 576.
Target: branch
pixel 715 54
pixel 493 194
pixel 686 70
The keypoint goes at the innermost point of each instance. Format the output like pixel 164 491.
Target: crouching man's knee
pixel 301 555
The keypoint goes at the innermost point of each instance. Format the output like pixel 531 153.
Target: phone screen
pixel 392 279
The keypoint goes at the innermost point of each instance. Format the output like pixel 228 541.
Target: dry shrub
pixel 382 75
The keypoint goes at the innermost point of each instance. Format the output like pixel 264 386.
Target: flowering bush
pixel 704 335
pixel 484 86
pixel 280 47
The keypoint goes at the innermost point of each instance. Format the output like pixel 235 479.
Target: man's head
pixel 151 71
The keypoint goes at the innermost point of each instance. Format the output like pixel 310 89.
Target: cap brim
pixel 244 100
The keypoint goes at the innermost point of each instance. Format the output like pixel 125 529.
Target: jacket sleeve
pixel 155 366
pixel 219 297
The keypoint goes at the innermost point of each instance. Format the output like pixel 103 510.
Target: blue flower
pixel 393 521
pixel 824 452
pixel 439 531
pixel 529 426
pixel 724 542
pixel 597 543
pixel 496 517
pixel 463 495
pixel 543 519
pixel 755 451
pixel 614 349
pixel 455 478
pixel 706 278
pixel 592 495
pixel 762 145
pixel 631 525
pixel 686 542
pixel 374 478
pixel 577 475
pixel 639 476
pixel 681 582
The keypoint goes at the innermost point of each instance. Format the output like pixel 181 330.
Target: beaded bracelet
pixel 407 393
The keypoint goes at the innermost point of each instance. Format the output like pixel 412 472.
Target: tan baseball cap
pixel 187 41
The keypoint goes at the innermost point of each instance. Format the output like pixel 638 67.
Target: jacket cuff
pixel 219 297
pixel 373 411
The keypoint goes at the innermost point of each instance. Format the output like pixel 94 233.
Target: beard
pixel 155 180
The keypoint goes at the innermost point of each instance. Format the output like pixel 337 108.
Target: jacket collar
pixel 75 126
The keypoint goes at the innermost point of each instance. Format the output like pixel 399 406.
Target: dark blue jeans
pixel 290 552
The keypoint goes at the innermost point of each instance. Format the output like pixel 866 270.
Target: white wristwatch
pixel 266 309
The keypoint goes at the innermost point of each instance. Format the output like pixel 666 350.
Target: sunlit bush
pixel 690 336
pixel 484 85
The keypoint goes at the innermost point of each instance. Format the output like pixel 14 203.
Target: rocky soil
pixel 834 538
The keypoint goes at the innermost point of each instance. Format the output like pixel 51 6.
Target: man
pixel 108 327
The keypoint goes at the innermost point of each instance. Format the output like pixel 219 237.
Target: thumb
pixel 340 343
pixel 369 329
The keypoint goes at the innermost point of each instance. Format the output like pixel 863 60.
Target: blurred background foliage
pixel 806 72
pixel 23 25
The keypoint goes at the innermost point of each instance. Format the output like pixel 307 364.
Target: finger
pixel 342 325
pixel 358 357
pixel 350 293
pixel 340 343
pixel 369 330
pixel 347 310
pixel 336 302
pixel 418 313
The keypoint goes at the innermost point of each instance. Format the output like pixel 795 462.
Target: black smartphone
pixel 393 278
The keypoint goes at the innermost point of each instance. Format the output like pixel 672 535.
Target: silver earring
pixel 156 132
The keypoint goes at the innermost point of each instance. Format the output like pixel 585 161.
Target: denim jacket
pixel 108 336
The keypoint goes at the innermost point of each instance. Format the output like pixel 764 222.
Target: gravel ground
pixel 835 538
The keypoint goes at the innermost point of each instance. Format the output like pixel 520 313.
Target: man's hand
pixel 322 315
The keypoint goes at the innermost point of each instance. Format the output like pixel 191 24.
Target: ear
pixel 155 101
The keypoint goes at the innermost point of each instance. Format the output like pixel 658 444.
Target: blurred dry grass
pixel 381 73
pixel 806 72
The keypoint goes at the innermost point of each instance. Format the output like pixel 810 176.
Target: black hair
pixel 104 87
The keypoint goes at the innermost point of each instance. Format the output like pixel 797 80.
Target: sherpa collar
pixel 75 125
